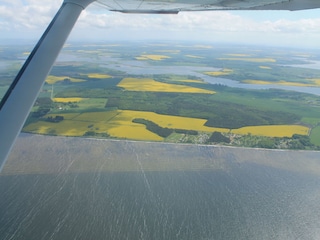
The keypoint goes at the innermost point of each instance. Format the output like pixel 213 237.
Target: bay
pixel 76 188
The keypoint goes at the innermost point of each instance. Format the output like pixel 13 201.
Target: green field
pixel 315 136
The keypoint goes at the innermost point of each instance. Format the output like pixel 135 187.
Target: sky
pixel 27 19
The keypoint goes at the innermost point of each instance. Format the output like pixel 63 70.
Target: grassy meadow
pixel 65 100
pixel 315 135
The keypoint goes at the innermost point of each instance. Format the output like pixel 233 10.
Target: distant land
pixel 247 96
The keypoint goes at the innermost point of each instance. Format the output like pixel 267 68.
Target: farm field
pixel 315 135
pixel 98 75
pixel 220 73
pixel 310 83
pixel 54 79
pixel 64 100
pixel 249 59
pixel 119 124
pixel 152 57
pixel 273 130
pixel 146 84
pixel 180 92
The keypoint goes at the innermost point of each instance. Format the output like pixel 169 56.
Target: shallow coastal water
pixel 74 188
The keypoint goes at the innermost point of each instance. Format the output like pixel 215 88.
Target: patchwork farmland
pixel 100 100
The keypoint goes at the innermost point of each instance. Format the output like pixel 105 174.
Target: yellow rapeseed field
pixel 285 83
pixel 224 71
pixel 134 131
pixel 119 124
pixel 258 82
pixel 316 81
pixel 114 123
pixel 66 100
pixel 98 75
pixel 148 84
pixel 53 79
pixel 193 56
pixel 64 128
pixel 167 121
pixel 264 67
pixel 152 57
pixel 247 59
pixel 273 130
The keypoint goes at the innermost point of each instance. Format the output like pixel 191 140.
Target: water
pixel 3 65
pixel 138 68
pixel 310 64
pixel 73 188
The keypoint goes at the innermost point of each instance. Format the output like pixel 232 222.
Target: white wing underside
pixel 175 6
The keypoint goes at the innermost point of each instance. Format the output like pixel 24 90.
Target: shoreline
pixel 170 143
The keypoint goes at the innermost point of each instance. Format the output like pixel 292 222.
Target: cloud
pixel 188 21
pixel 32 16
pixel 299 26
pixel 219 21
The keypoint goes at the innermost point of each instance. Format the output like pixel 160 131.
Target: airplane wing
pixel 175 6
pixel 21 95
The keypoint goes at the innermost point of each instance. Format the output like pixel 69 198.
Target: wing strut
pixel 20 97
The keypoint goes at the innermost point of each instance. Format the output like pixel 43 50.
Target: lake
pixel 138 68
pixel 76 188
